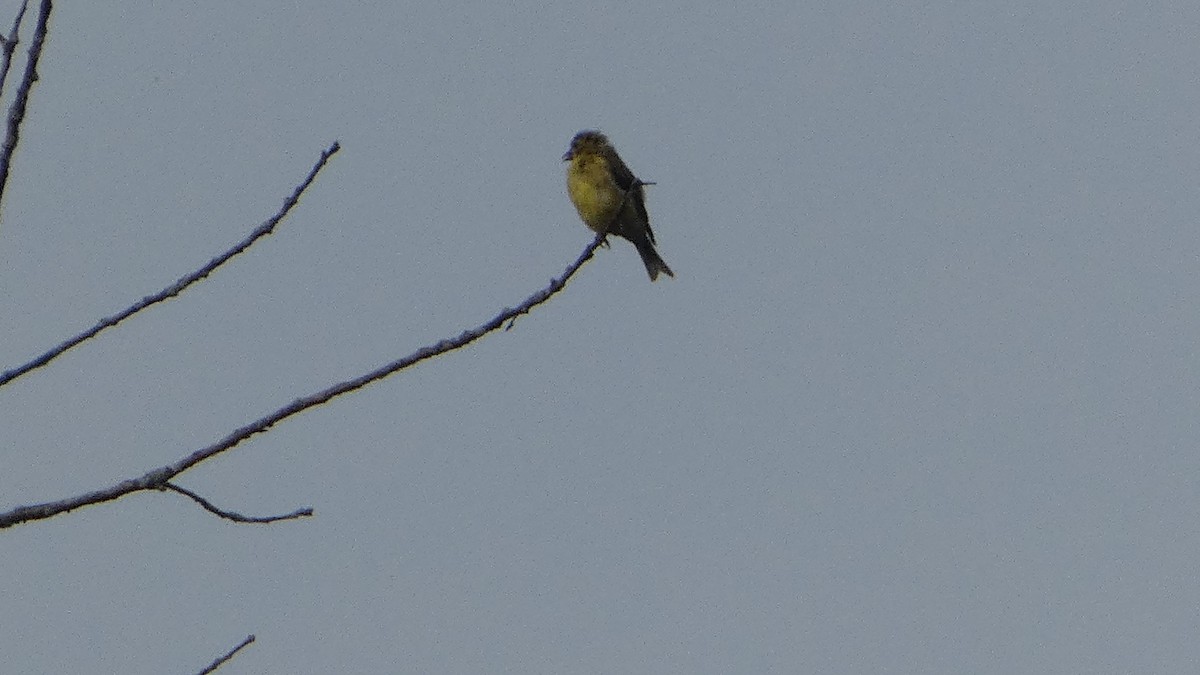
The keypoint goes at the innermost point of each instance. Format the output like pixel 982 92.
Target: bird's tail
pixel 653 262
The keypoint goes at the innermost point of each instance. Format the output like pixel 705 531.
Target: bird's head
pixel 588 142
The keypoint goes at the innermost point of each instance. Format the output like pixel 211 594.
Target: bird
pixel 609 198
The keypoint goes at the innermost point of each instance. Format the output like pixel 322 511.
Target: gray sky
pixel 922 397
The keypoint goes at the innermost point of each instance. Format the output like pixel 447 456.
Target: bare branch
pixel 158 479
pixel 221 661
pixel 178 287
pixel 233 515
pixel 16 114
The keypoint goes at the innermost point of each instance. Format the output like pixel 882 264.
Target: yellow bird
pixel 600 185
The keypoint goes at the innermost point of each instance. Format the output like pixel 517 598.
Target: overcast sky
pixel 922 397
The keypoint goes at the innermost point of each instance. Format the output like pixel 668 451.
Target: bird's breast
pixel 594 194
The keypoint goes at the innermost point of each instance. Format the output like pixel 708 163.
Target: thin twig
pixel 221 661
pixel 159 478
pixel 16 114
pixel 178 287
pixel 233 515
pixel 9 44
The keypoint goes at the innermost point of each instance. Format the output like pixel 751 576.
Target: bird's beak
pixel 568 155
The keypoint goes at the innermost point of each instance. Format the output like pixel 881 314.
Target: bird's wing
pixel 625 180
